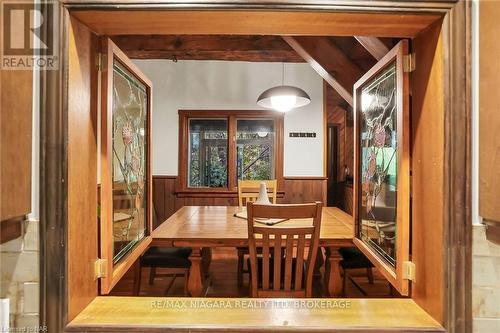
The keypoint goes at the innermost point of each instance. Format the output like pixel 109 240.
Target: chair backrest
pixel 248 190
pixel 280 269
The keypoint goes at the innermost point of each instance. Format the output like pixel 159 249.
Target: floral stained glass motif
pixel 130 100
pixel 378 167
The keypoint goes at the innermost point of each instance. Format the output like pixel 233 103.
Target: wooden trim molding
pixel 53 176
pixel 164 177
pixel 457 161
pixel 305 178
pixel 286 22
pixel 219 194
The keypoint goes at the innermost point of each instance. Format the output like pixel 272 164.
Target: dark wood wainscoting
pixel 345 197
pixel 304 189
pixel 163 198
pixel 167 199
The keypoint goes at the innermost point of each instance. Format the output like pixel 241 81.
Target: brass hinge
pixel 409 270
pixel 409 62
pixel 100 268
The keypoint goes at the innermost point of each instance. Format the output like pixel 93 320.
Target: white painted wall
pixel 221 85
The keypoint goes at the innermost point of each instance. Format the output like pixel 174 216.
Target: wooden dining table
pixel 205 227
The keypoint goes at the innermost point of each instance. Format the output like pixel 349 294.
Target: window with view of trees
pixel 224 146
pixel 255 149
pixel 207 152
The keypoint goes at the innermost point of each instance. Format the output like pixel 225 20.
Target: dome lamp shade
pixel 283 98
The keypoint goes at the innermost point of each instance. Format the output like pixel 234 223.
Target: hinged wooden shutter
pixel 382 166
pixel 126 183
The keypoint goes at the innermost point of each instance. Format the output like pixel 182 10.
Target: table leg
pixel 196 274
pixel 206 254
pixel 333 281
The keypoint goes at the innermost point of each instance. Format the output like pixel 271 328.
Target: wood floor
pixel 223 281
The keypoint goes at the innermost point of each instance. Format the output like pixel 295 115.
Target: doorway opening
pixel 332 165
pixel 97 23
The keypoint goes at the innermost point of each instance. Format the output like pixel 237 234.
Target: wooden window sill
pixel 154 314
pixel 212 193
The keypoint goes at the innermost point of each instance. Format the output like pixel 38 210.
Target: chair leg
pixel 241 261
pixel 170 283
pixel 355 284
pixel 152 274
pixel 369 273
pixel 186 278
pixel 137 279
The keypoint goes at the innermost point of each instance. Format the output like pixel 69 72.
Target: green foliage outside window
pixel 208 151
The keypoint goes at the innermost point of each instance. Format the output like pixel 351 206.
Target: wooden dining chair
pixel 286 266
pixel 248 191
pixel 173 261
pixel 353 258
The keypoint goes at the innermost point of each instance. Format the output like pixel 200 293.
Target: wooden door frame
pixel 457 150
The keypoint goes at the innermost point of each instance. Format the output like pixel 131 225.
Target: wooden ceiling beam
pixel 329 61
pixel 203 47
pixel 373 45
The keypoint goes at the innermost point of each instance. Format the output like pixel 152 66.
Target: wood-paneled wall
pixel 304 189
pixel 346 201
pixel 167 199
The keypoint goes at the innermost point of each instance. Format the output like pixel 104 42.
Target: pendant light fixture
pixel 283 98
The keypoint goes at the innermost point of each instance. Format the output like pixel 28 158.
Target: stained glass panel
pixel 378 164
pixel 130 100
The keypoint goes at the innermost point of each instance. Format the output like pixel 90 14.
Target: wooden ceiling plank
pixel 201 42
pixel 207 47
pixel 346 94
pixel 251 56
pixel 373 45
